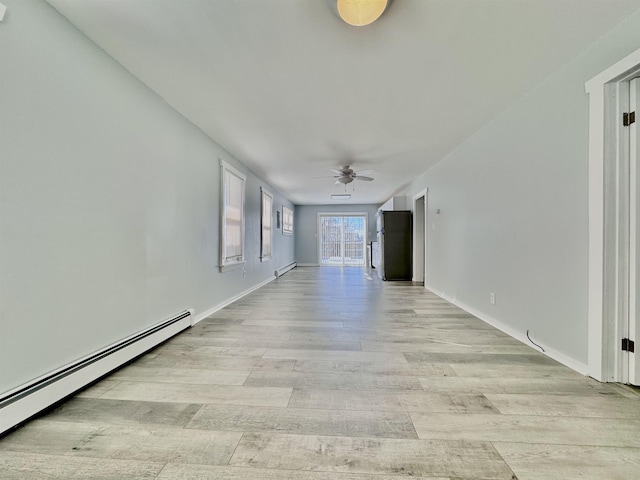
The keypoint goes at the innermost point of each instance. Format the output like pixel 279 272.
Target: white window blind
pixel 267 225
pixel 232 217
pixel 287 220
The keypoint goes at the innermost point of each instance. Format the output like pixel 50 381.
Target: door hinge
pixel 628 119
pixel 628 345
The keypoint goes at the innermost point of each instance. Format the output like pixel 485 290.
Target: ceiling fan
pixel 347 175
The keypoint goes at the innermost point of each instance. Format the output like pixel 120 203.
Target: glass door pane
pixel 330 240
pixel 353 240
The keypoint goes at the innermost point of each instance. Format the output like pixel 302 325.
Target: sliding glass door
pixel 342 239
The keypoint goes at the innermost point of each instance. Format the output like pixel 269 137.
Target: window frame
pixel 236 261
pixel 266 197
pixel 287 220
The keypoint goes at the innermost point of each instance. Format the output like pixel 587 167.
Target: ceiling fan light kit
pixel 359 12
pixel 347 175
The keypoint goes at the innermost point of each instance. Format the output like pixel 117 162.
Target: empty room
pixel 319 239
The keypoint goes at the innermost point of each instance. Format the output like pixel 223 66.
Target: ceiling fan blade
pixel 360 177
pixel 366 172
pixel 339 172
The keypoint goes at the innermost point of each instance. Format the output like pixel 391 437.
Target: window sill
pixel 231 266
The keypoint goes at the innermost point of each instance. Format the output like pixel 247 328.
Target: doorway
pixel 342 239
pixel 631 358
pixel 614 223
pixel 622 237
pixel 420 237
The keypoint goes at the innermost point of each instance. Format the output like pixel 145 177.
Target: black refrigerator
pixel 394 239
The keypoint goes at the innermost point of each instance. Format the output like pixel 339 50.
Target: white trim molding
pixel 237 260
pixel 198 318
pixel 600 90
pixel 416 236
pixel 266 224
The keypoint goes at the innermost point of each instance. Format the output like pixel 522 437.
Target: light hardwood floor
pixel 330 374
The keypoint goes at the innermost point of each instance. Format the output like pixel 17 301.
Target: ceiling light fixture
pixel 340 196
pixel 359 12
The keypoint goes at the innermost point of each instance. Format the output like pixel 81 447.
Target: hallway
pixel 331 374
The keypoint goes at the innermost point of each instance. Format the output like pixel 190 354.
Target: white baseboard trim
pixel 515 333
pixel 308 265
pixel 220 306
pixel 25 401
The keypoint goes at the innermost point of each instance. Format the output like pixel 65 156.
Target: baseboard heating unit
pixel 25 401
pixel 285 269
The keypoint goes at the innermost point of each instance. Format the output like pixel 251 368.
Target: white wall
pixel 514 209
pixel 109 202
pixel 306 227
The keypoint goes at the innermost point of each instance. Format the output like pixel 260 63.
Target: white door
pixel 634 257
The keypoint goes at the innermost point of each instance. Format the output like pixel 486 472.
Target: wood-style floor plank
pixel 562 462
pixel 176 471
pixel 606 432
pixel 123 442
pixel 31 466
pixel 304 421
pixel 371 455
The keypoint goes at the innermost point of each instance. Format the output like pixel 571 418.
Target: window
pixel 287 221
pixel 231 217
pixel 267 225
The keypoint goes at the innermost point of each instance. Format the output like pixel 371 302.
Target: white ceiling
pixel 292 91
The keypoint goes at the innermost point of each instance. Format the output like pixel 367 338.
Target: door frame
pixel 420 236
pixel 342 214
pixel 633 360
pixel 608 205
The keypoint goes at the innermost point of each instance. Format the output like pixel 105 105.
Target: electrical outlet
pixel 244 273
pixel 492 298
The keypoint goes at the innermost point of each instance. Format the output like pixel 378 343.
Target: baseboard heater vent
pixel 285 269
pixel 25 401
